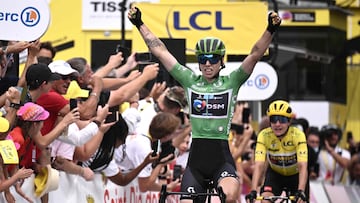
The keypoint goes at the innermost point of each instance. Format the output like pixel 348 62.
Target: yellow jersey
pixel 282 155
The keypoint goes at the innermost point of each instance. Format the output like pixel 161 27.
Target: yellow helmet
pixel 280 108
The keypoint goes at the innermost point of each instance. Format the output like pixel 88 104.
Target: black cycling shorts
pixel 209 160
pixel 275 182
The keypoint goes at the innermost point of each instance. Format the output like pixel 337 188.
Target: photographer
pixel 333 160
pixel 138 146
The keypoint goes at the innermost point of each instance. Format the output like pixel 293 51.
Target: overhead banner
pixel 260 86
pixel 106 14
pixel 313 17
pixel 238 24
pixel 23 20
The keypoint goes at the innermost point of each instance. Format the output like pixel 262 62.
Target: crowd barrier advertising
pixel 73 188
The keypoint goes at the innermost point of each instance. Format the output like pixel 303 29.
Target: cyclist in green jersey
pixel 211 99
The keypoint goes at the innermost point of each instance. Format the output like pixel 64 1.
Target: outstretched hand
pixel 274 22
pixel 134 16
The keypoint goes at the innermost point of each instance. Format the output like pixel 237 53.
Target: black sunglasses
pixel 67 77
pixel 212 58
pixel 281 119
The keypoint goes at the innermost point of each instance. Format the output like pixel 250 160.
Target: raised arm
pixel 262 44
pixel 33 51
pixel 128 90
pixel 124 179
pixel 155 45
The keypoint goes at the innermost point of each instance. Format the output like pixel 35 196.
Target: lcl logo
pixel 193 21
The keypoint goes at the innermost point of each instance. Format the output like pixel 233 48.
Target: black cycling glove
pixel 300 194
pixel 135 18
pixel 272 26
pixel 251 196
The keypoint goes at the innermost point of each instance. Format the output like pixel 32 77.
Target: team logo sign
pixel 24 20
pixel 30 16
pixel 210 105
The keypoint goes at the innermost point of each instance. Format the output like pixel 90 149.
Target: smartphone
pixel 73 104
pixel 125 53
pixel 154 147
pixel 166 149
pixel 143 57
pixel 112 117
pixel 177 172
pixel 239 129
pixel 245 115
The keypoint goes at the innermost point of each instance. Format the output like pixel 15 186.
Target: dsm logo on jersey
pixel 30 16
pixel 199 105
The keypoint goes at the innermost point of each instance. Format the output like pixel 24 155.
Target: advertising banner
pixel 238 24
pixel 106 15
pixel 23 20
pixel 73 188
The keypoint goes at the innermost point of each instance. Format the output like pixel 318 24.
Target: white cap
pixel 62 67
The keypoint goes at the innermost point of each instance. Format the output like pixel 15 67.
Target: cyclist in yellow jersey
pixel 284 147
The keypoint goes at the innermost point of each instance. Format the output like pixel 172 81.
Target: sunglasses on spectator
pixel 212 58
pixel 281 119
pixel 67 77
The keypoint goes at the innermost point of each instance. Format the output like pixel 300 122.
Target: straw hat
pixel 46 181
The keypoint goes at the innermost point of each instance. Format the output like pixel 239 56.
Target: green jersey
pixel 211 105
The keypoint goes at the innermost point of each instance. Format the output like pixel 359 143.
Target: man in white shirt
pixel 333 160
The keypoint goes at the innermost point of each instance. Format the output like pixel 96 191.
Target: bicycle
pixel 210 191
pixel 287 198
pixel 274 198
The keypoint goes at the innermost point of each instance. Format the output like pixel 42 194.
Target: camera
pixel 239 129
pixel 112 117
pixel 125 53
pixel 327 131
pixel 177 172
pixel 73 104
pixel 143 58
pixel 154 147
pixel 246 156
pixel 166 148
pixel 245 115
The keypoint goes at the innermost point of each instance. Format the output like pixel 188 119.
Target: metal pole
pixel 275 39
pixel 123 10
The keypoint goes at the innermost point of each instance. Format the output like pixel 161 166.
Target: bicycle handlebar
pixel 164 194
pixel 274 198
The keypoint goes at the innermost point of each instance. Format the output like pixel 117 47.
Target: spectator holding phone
pixel 333 159
pixel 138 146
pixel 102 160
